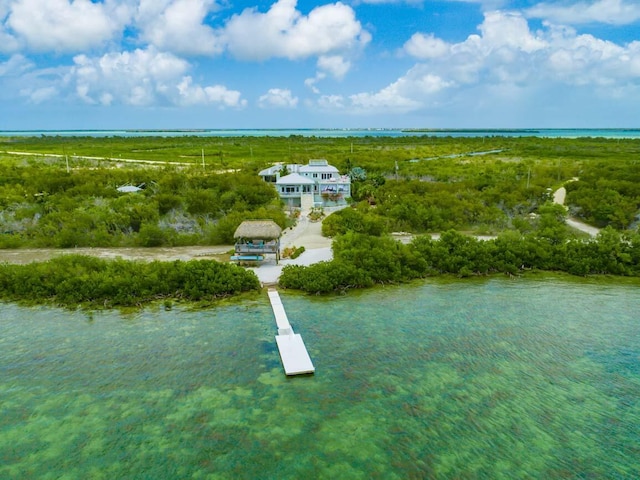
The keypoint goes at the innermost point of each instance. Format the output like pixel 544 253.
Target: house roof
pixel 265 229
pixel 272 170
pixel 294 179
pixel 269 171
pixel 318 169
pixel 318 161
pixel 128 189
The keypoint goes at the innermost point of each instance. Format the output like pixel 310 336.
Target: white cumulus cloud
pixel 66 26
pixel 19 75
pixel 278 98
pixel 15 65
pixel 178 26
pixel 505 62
pixel 219 95
pixel 485 4
pixel 331 102
pixel 335 66
pixel 510 30
pixel 587 60
pixel 395 98
pixel 425 46
pixel 40 95
pixel 381 2
pixel 502 52
pixel 614 12
pixel 8 42
pixel 134 78
pixel 142 78
pixel 284 32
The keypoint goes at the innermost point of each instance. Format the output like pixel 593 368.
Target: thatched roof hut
pixel 258 229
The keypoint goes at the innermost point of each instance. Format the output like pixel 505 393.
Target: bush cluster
pixel 359 220
pixel 297 251
pixel 363 260
pixel 70 280
pixel 43 206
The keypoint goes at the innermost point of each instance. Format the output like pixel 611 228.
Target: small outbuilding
pixel 255 239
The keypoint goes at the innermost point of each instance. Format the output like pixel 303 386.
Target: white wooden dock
pixel 293 352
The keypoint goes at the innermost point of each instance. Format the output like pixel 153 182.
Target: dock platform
pixel 293 352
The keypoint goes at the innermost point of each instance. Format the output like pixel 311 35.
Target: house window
pixel 289 189
pixel 315 175
pixel 326 176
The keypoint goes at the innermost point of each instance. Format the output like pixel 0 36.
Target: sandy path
pixel 559 197
pixel 29 255
pixel 305 234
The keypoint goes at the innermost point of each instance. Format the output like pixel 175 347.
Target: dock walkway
pixel 293 352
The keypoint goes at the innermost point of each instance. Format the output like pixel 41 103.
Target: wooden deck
pixel 293 352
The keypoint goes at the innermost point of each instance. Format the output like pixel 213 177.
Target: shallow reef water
pixel 492 378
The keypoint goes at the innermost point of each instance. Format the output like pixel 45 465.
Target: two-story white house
pixel 306 186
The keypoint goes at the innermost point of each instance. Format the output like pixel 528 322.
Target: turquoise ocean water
pixel 479 379
pixel 363 132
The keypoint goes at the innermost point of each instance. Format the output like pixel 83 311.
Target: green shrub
pixel 70 280
pixel 353 220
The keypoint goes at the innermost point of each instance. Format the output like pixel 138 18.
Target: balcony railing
pixel 269 247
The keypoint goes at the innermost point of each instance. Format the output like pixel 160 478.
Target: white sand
pixel 583 227
pixel 559 196
pixel 305 234
pixel 269 273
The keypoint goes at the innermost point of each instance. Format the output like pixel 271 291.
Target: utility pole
pixel 64 151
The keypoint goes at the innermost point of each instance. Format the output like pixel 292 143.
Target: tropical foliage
pixel 363 260
pixel 72 280
pixel 63 192
pixel 44 206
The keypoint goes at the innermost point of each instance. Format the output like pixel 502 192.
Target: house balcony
pixel 289 194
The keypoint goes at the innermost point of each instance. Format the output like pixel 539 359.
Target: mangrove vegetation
pixel 67 192
pixel 76 280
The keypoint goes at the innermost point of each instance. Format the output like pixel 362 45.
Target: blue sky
pixel 111 64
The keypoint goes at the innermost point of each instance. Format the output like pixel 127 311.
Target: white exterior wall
pixel 301 190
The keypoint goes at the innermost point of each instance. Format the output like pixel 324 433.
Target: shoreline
pixel 305 233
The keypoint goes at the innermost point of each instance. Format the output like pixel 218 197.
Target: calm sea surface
pixel 512 379
pixel 363 132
